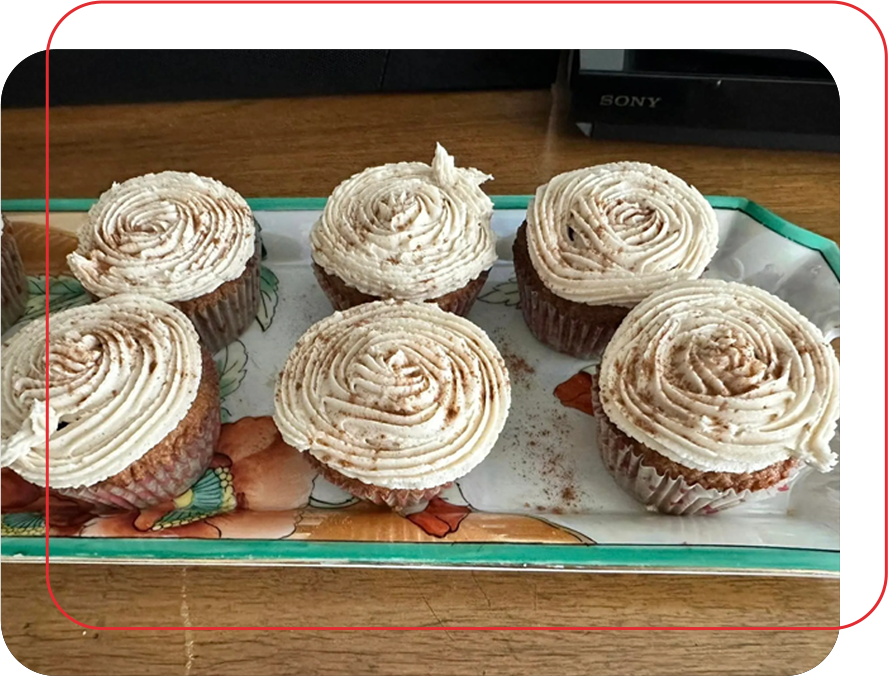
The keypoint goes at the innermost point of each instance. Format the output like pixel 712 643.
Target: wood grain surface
pixel 163 596
pixel 304 148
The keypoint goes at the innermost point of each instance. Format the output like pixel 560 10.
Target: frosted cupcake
pixel 180 238
pixel 393 400
pixel 14 284
pixel 406 231
pixel 599 240
pixel 133 416
pixel 711 394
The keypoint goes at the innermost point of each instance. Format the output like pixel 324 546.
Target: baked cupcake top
pixel 407 231
pixel 615 233
pixel 173 236
pixel 123 372
pixel 394 394
pixel 724 377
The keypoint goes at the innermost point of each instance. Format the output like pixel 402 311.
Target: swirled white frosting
pixel 724 377
pixel 408 231
pixel 394 394
pixel 173 236
pixel 123 373
pixel 613 234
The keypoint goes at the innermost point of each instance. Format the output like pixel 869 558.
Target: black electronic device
pixel 757 98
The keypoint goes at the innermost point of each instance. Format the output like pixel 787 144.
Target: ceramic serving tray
pixel 541 500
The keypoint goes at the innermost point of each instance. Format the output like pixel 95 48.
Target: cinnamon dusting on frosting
pixel 395 394
pixel 173 236
pixel 122 374
pixel 722 377
pixel 613 234
pixel 431 222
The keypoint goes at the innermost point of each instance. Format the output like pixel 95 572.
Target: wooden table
pixel 304 148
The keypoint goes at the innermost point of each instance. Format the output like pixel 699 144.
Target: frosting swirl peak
pixel 409 231
pixel 614 233
pixel 173 236
pixel 394 394
pixel 720 376
pixel 122 372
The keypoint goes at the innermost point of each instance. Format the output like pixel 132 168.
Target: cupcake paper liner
pixel 577 337
pixel 661 492
pixel 577 329
pixel 342 296
pixel 13 283
pixel 221 316
pixel 163 483
pixel 459 302
pixel 396 498
pixel 160 482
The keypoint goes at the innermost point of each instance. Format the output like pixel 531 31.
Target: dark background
pixel 80 77
pixel 764 98
pixel 137 76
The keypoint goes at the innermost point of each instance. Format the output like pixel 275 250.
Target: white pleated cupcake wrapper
pixel 221 324
pixel 463 302
pixel 13 284
pixel 166 482
pixel 396 498
pixel 663 493
pixel 580 339
pixel 345 298
pixel 340 299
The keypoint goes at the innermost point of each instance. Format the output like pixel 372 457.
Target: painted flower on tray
pixel 260 488
pixel 22 524
pixel 24 509
pixel 448 517
pixel 263 252
pixel 440 518
pixel 231 362
pixel 576 391
pixel 239 524
pixel 268 297
pixel 17 494
pixel 439 521
pixel 255 488
pixel 63 291
pixel 269 475
pixel 64 521
pixel 505 293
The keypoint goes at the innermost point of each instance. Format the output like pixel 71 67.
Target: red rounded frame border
pixel 98 24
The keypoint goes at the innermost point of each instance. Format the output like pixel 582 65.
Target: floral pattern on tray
pixel 543 483
pixel 257 487
pixel 260 488
pixel 63 292
pixel 504 293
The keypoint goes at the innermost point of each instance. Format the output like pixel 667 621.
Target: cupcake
pixel 406 231
pixel 133 415
pixel 393 400
pixel 599 240
pixel 713 393
pixel 181 238
pixel 14 284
